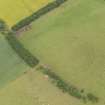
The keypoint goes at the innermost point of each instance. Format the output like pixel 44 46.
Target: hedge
pixel 61 84
pixel 70 89
pixel 92 97
pixel 20 50
pixel 37 14
pixel 3 26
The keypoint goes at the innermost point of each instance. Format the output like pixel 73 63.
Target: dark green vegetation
pixel 92 97
pixel 23 53
pixel 17 46
pixel 3 26
pixel 70 89
pixel 11 65
pixel 37 14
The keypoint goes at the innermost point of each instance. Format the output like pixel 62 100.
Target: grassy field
pixel 19 85
pixel 34 89
pixel 71 40
pixel 13 11
pixel 11 66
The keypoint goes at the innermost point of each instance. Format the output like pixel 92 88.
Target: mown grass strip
pixel 37 14
pixel 65 87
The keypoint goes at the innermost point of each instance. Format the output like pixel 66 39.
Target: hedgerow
pixel 92 97
pixel 65 87
pixel 3 26
pixel 72 90
pixel 20 50
pixel 37 14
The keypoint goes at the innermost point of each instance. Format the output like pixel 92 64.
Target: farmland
pixel 33 88
pixel 71 41
pixel 13 11
pixel 11 66
pixel 20 85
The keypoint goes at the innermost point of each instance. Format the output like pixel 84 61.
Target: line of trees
pixel 26 21
pixel 22 52
pixel 65 87
pixel 3 26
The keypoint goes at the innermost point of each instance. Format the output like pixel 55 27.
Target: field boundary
pixel 22 52
pixel 32 61
pixel 36 15
pixel 67 88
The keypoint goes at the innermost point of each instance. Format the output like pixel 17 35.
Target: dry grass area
pixel 34 89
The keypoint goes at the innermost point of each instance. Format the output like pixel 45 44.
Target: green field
pixel 11 66
pixel 13 11
pixel 34 89
pixel 71 41
pixel 20 85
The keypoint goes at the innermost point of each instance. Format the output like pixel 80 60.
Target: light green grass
pixel 11 66
pixel 13 11
pixel 71 39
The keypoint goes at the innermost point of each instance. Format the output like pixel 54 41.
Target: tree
pixel 92 97
pixel 3 26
